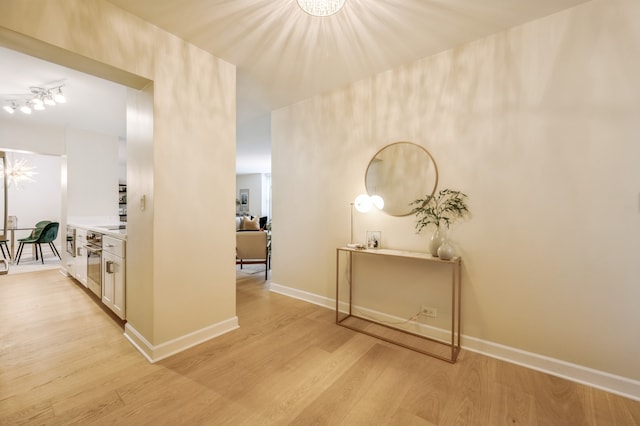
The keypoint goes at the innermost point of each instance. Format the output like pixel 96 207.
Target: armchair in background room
pixel 252 248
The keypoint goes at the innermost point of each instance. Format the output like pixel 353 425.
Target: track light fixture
pixel 38 99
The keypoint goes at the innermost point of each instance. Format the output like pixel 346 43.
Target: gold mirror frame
pixel 400 173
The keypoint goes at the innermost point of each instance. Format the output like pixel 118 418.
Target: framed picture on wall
pixel 373 239
pixel 244 200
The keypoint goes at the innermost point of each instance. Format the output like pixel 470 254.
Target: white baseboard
pixel 618 385
pixel 164 350
pixel 325 302
pixel 612 383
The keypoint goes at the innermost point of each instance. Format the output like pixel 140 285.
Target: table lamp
pixel 363 203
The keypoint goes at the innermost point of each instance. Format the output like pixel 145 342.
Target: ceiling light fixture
pixel 38 104
pixel 48 100
pixel 59 97
pixel 18 172
pixel 10 108
pixel 321 7
pixel 26 108
pixel 37 99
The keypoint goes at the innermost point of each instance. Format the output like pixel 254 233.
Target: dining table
pixel 12 239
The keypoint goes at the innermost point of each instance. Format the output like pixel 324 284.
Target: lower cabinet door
pixel 81 264
pixel 113 283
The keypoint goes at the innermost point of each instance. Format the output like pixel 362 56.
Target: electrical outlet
pixel 428 311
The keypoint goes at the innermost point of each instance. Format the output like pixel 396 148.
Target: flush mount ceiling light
pixel 37 99
pixel 321 7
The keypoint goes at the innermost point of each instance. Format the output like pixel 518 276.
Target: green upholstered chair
pixel 35 233
pixel 47 236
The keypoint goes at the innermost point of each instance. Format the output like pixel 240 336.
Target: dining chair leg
pixel 19 254
pixel 55 250
pixel 3 254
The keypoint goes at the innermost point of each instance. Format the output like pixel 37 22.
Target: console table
pixel 448 350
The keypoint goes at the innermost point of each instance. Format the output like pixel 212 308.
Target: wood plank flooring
pixel 64 360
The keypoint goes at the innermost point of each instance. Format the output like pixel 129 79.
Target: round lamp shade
pixel 377 201
pixel 363 203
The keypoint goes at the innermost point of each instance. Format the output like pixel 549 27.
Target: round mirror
pixel 401 173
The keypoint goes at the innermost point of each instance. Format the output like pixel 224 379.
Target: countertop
pixel 110 230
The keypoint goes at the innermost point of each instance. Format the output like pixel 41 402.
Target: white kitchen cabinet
pixel 81 256
pixel 70 265
pixel 113 275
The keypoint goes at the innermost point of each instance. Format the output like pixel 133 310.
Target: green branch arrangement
pixel 442 209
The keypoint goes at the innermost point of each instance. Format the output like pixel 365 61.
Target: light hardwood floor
pixel 63 360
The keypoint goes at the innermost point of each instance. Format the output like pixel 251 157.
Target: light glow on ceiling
pixel 321 7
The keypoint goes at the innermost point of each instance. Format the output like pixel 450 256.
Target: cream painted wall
pixel 194 188
pixel 193 147
pixel 140 183
pixel 539 126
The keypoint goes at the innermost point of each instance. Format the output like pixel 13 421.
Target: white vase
pixel 436 241
pixel 446 251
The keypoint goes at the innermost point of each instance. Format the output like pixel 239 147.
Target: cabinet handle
pixel 110 267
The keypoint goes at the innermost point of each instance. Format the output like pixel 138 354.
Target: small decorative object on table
pixel 440 210
pixel 12 222
pixel 373 239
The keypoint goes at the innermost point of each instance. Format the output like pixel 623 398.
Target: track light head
pixel 48 99
pixel 58 96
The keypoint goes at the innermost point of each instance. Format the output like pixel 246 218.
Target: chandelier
pixel 19 171
pixel 38 99
pixel 321 7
